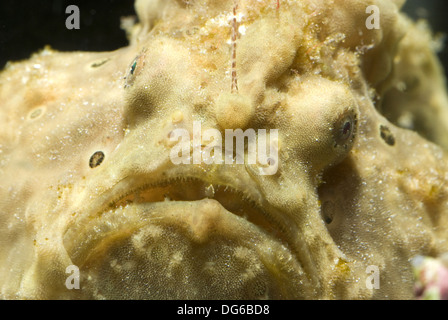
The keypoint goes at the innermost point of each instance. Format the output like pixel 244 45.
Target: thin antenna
pixel 234 38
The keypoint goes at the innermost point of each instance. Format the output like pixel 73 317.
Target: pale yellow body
pixel 138 226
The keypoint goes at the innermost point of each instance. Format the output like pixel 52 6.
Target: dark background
pixel 27 26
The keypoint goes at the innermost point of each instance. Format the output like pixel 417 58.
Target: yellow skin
pixel 352 189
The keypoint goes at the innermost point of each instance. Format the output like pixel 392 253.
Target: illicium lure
pixel 234 88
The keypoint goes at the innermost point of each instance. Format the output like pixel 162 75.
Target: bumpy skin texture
pixel 352 188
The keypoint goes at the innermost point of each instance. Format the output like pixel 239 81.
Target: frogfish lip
pixel 237 202
pixel 146 196
pixel 202 216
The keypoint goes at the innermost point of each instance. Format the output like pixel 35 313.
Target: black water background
pixel 27 26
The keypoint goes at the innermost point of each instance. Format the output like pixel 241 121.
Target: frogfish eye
pixel 345 130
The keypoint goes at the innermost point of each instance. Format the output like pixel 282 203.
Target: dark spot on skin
pixel 36 113
pixel 99 64
pixel 96 159
pixel 387 135
pixel 328 212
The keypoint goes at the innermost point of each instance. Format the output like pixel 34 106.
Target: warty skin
pixel 353 189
